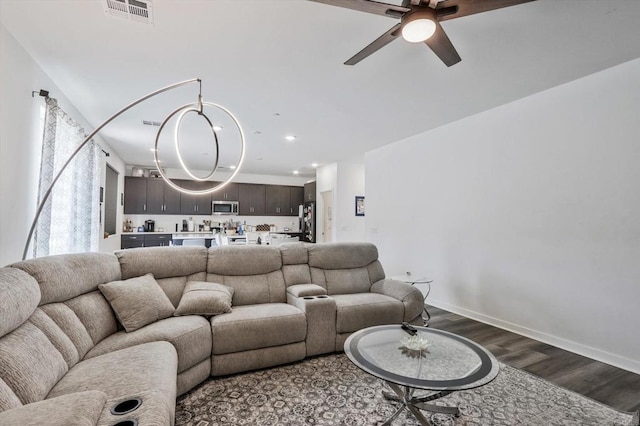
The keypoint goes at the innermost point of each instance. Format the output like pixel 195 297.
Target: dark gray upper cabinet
pixel 161 198
pixel 278 200
pixel 283 200
pixel 195 204
pixel 155 196
pixel 252 199
pixel 297 198
pixel 310 191
pixel 228 193
pixel 135 195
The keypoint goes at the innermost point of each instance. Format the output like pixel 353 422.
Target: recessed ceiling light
pixel 152 149
pixel 314 164
pixel 295 172
pixel 277 114
pixel 217 128
pixel 233 167
pixel 290 138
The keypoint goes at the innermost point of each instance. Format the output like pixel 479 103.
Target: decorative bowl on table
pixel 415 343
pixel 414 346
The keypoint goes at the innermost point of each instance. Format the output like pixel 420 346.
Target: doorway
pixel 327 215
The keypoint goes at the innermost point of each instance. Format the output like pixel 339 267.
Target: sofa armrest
pixel 302 290
pixel 80 409
pixel 320 311
pixel 410 296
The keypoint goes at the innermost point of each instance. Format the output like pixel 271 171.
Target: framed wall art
pixel 359 205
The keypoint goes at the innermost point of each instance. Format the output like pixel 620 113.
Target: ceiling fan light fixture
pixel 418 26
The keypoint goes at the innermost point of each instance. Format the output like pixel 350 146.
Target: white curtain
pixel 70 220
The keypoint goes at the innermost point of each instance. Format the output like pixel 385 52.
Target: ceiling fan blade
pixel 442 46
pixel 378 44
pixel 471 7
pixel 374 7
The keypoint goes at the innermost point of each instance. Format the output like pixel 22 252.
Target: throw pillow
pixel 137 301
pixel 203 298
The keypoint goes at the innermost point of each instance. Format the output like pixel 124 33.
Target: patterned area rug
pixel 330 390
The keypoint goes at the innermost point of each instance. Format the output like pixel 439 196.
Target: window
pixel 70 219
pixel 110 200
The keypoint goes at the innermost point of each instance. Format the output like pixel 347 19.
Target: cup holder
pixel 132 422
pixel 124 407
pixel 309 297
pixel 323 297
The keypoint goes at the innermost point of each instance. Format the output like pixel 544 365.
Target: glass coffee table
pixel 447 364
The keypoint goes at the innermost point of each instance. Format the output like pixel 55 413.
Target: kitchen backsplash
pixel 167 223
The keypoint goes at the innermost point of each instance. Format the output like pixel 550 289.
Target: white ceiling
pixel 260 57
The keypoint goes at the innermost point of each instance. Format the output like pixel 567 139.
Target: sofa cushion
pixel 254 289
pixel 147 371
pixel 8 398
pixel 64 276
pixel 29 363
pixel 56 336
pixel 162 262
pixel 243 260
pixel 296 274
pixel 342 281
pixel 357 311
pixel 137 301
pixel 69 322
pixel 257 326
pixel 190 335
pixel 203 298
pixel 341 255
pixel 20 296
pixel 174 286
pixel 78 409
pixel 95 314
pixel 302 290
pixel 294 254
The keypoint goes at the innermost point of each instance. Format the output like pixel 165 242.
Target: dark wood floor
pixel 612 386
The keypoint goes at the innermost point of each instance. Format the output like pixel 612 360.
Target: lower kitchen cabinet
pixel 157 240
pixel 144 240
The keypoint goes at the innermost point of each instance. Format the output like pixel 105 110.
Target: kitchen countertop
pixel 169 232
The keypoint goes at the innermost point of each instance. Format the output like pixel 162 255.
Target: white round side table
pixel 410 279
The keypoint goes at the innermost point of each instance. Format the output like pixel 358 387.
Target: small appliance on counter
pixel 149 225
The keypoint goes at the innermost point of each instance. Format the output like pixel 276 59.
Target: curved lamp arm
pixel 84 142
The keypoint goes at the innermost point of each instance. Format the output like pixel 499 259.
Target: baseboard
pixel 569 345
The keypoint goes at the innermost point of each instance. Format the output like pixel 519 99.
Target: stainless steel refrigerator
pixel 309 222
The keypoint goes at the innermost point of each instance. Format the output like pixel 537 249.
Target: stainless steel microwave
pixel 224 207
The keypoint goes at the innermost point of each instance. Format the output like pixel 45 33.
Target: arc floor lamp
pixel 197 107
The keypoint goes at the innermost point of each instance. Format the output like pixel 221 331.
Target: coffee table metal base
pixel 404 395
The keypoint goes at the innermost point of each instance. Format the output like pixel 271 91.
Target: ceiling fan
pixel 420 22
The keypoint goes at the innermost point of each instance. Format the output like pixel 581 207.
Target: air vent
pixel 134 10
pixel 151 123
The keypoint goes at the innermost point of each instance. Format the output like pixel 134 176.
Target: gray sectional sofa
pixel 80 337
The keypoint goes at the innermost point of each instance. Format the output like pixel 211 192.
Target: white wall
pixel 346 180
pixel 21 143
pixel 527 215
pixel 326 180
pixel 350 183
